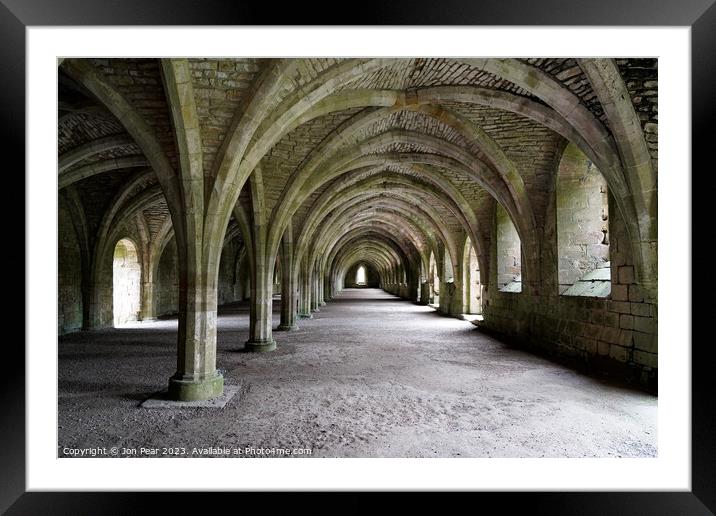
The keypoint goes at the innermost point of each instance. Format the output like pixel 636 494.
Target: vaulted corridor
pixel 291 253
pixel 370 375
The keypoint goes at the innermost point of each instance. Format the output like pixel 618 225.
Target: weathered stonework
pixel 241 178
pixel 69 278
pixel 600 333
pixel 582 217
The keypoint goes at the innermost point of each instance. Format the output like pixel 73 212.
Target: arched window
pixel 126 282
pixel 509 253
pixel 471 281
pixel 360 276
pixel 434 279
pixel 277 272
pixel 582 227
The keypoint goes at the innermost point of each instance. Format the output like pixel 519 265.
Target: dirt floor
pixel 369 376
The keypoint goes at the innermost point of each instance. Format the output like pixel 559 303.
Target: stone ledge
pixel 160 400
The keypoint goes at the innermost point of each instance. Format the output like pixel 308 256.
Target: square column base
pixel 160 400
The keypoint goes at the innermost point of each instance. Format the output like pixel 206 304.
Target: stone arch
pixel 471 283
pixel 372 186
pixel 80 153
pixel 508 249
pixel 434 280
pixel 582 213
pixel 555 95
pixel 126 282
pixel 639 169
pixel 70 296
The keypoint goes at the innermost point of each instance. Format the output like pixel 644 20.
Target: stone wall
pixel 641 77
pixel 582 215
pixel 229 282
pixel 69 275
pixel 508 264
pixel 372 279
pixel 613 334
pixel 232 282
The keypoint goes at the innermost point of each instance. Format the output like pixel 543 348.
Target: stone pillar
pixel 321 289
pixel 334 286
pixel 456 307
pixel 196 377
pixel 314 292
pixel 444 298
pixel 261 308
pixel 457 301
pixel 327 291
pixel 100 313
pixel 424 293
pixel 304 306
pixel 413 286
pixel 148 311
pixel 288 282
pixel 86 290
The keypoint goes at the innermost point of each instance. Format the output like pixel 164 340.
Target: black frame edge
pixel 12 143
pixel 702 499
pixel 703 101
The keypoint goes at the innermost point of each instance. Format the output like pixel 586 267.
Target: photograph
pixel 423 248
pixel 372 257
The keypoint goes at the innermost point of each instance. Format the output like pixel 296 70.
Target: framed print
pixel 413 251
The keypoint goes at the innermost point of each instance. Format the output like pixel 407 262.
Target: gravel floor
pixel 370 376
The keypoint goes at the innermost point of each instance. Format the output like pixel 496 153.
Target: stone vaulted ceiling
pixel 408 154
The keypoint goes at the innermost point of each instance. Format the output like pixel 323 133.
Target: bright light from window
pixel 126 282
pixel 360 275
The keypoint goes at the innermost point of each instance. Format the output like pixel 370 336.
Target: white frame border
pixel 670 471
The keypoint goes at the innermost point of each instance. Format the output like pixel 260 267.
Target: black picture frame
pixel 700 15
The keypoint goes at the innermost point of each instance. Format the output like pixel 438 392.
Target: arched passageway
pixel 518 194
pixel 471 283
pixel 126 282
pixel 434 282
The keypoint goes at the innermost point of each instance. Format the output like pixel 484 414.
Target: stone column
pixel 424 293
pixel 198 254
pixel 327 293
pixel 100 293
pixel 314 292
pixel 148 311
pixel 445 297
pixel 321 288
pixel 196 377
pixel 457 301
pixel 304 308
pixel 288 282
pixel 261 307
pixel 86 290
